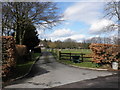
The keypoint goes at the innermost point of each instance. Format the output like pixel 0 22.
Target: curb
pixel 97 69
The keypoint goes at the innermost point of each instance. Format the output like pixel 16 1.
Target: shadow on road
pixel 35 71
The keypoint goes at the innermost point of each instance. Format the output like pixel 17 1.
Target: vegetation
pixel 87 53
pixel 22 69
pixel 105 53
pixel 82 64
pixel 31 37
pixel 66 44
pixel 20 20
pixel 17 16
pixel 8 56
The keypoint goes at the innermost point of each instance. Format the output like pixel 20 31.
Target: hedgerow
pixel 8 55
pixel 105 53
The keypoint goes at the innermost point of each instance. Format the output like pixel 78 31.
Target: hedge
pixel 105 53
pixel 8 55
pixel 21 54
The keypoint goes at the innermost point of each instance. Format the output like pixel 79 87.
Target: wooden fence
pixel 69 56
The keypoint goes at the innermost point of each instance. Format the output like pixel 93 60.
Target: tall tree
pixel 31 37
pixel 17 15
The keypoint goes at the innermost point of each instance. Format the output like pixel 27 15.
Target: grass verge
pixel 22 69
pixel 82 64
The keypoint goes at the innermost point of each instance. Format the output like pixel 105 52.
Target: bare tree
pixel 17 15
pixel 112 10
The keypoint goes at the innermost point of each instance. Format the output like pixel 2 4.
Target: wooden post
pixel 59 55
pixel 70 57
pixel 82 57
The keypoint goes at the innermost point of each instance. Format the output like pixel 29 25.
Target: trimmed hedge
pixel 21 49
pixel 105 53
pixel 22 54
pixel 8 55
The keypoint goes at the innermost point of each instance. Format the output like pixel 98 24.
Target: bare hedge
pixel 8 55
pixel 105 53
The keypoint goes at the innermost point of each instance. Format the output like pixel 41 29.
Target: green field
pixel 85 51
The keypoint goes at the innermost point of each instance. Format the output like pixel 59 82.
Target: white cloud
pixel 40 32
pixel 62 33
pixel 99 25
pixel 87 12
pixel 77 37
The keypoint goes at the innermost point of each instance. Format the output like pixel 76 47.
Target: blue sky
pixel 83 20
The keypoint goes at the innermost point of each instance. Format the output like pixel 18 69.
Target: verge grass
pixel 82 64
pixel 22 69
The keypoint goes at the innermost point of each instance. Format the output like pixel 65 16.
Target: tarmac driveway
pixel 47 73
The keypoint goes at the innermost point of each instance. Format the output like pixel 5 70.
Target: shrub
pixel 22 54
pixel 21 49
pixel 105 53
pixel 37 49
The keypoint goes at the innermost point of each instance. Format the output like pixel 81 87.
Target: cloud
pixel 40 32
pixel 98 26
pixel 77 37
pixel 62 33
pixel 87 12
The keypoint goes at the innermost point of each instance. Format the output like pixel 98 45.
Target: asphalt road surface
pixel 47 73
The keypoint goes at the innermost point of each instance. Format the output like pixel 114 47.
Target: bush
pixel 8 56
pixel 22 54
pixel 105 53
pixel 37 50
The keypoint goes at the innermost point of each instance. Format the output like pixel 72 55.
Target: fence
pixel 71 56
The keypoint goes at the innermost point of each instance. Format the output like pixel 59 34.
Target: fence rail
pixel 69 56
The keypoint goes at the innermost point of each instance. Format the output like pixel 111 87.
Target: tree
pixel 31 37
pixel 112 10
pixel 69 43
pixel 17 15
pixel 59 44
pixel 52 45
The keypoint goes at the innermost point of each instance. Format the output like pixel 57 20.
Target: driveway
pixel 47 73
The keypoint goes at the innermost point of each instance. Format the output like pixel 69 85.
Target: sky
pixel 83 20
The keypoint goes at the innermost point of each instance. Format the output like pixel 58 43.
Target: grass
pixel 82 64
pixel 35 55
pixel 85 51
pixel 22 69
